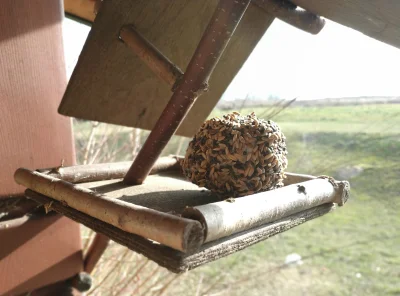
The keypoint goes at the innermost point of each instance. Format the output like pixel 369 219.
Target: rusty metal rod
pixel 287 12
pixel 194 82
pixel 150 55
pixel 96 249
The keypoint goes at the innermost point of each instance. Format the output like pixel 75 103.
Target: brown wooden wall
pixel 37 253
pixel 33 135
pixel 33 80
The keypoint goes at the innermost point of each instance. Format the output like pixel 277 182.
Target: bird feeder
pixel 149 206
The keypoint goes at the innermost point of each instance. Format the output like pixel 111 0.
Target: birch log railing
pixel 223 218
pixel 178 233
pixel 191 219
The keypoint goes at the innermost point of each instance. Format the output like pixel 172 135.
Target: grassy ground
pixel 353 251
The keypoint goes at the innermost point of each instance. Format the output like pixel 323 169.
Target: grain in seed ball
pixel 237 155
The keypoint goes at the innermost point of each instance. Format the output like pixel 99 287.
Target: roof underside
pixel 111 84
pixel 377 19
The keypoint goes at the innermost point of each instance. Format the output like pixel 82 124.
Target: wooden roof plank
pixel 110 84
pixel 377 19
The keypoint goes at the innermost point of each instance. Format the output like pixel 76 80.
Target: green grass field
pixel 353 251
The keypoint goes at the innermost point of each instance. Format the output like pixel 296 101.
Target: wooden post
pixel 96 249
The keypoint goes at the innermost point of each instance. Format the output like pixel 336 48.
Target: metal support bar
pixel 151 56
pixel 194 82
pixel 287 12
pixel 96 249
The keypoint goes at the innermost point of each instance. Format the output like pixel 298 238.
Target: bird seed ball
pixel 237 155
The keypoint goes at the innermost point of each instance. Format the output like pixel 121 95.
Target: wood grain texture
pixel 32 83
pixel 377 19
pixel 110 84
pixel 179 262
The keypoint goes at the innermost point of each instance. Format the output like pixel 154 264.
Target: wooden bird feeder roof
pixel 381 22
pixel 112 84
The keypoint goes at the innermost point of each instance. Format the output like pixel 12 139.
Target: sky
pixel 290 63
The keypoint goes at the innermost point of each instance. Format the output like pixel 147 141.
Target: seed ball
pixel 237 155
